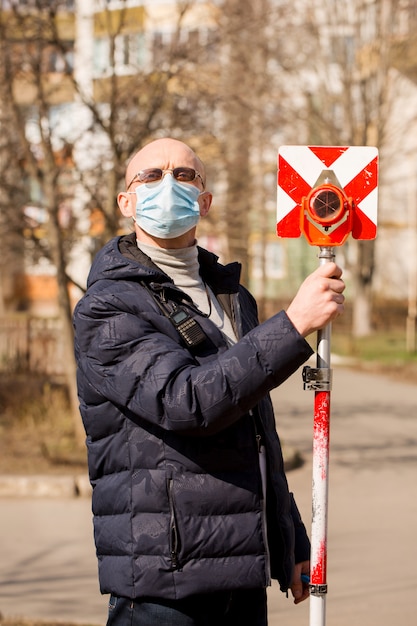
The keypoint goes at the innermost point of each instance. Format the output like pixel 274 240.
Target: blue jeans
pixel 242 607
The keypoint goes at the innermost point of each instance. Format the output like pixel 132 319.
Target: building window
pixel 59 62
pixel 161 41
pixel 129 54
pixel 130 51
pixel 102 60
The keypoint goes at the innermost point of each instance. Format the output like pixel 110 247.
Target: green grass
pixel 36 428
pixel 383 352
pixel 384 347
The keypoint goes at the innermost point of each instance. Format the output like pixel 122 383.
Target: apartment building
pixel 85 45
pixel 104 38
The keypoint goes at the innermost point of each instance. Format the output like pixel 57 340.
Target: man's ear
pixel 125 204
pixel 204 201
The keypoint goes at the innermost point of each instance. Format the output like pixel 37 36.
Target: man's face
pixel 156 160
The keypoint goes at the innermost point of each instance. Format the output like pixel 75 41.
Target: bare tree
pixel 249 112
pixel 11 203
pixel 341 64
pixel 119 111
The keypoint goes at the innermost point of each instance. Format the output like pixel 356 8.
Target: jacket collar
pixel 221 278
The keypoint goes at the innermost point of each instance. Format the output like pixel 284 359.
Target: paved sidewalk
pixel 372 520
pixel 48 566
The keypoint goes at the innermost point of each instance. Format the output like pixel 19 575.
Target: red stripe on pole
pixel 322 429
pixel 319 569
pixel 321 442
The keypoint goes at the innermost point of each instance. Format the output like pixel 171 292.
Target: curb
pixel 47 486
pixel 44 486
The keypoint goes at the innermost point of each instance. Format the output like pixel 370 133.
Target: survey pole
pixel 319 380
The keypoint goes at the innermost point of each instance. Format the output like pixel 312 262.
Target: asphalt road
pixel 48 566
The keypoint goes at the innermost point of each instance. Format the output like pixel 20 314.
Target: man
pixel 192 513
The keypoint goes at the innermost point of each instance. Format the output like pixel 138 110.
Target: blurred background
pixel 86 83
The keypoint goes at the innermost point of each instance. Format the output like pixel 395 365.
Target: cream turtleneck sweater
pixel 183 267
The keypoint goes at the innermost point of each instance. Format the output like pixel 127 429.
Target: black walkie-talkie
pixel 189 329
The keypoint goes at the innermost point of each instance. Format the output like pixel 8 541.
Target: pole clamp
pixel 318 590
pixel 317 378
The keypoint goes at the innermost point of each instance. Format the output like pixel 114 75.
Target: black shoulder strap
pixel 188 328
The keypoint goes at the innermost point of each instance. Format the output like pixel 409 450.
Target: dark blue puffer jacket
pixel 173 435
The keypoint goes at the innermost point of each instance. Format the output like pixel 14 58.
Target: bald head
pixel 166 154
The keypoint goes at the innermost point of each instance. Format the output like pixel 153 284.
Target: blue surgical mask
pixel 167 209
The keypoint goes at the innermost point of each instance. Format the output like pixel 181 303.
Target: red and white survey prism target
pixel 327 193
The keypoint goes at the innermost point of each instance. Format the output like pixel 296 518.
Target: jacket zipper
pixel 263 474
pixel 236 315
pixel 173 531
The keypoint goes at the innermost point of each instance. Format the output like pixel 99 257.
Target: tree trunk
pixel 362 298
pixel 65 312
pixel 362 310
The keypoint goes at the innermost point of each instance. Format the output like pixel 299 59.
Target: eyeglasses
pixel 153 174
